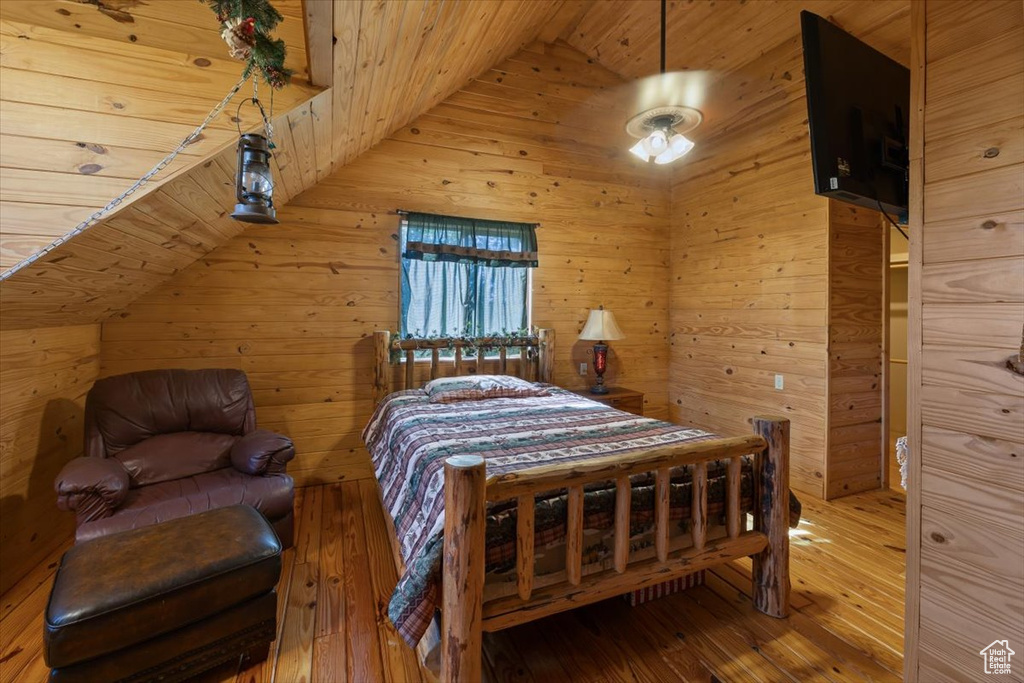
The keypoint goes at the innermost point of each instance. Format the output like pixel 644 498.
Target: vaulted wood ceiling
pixel 395 60
pixel 94 92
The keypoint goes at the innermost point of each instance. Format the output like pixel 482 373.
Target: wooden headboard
pixel 535 360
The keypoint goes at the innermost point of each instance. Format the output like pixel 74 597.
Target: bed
pixel 514 506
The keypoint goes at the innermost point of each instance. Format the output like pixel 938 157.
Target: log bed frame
pixel 468 490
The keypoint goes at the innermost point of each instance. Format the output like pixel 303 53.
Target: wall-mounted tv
pixel 858 109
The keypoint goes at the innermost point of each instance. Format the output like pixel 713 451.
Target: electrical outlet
pixel 778 382
pixel 583 369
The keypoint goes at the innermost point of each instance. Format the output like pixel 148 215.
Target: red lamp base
pixel 600 365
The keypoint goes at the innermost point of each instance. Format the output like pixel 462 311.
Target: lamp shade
pixel 601 326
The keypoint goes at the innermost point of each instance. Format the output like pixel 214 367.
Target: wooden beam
pixel 318 19
pixel 915 332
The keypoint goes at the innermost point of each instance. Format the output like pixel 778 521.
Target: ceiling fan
pixel 668 104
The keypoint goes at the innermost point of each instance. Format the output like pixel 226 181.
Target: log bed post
pixel 546 352
pixel 771 517
pixel 381 365
pixel 462 585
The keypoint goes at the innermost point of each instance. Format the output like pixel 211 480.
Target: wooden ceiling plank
pixel 372 15
pixel 287 169
pixel 15 248
pixel 603 19
pixel 323 133
pixel 106 49
pixel 162 208
pixel 144 227
pixel 347 17
pixel 530 19
pixel 198 30
pixel 434 16
pixel 474 43
pixel 564 15
pixel 318 22
pixel 299 126
pixel 189 194
pixel 399 63
pixel 35 187
pixel 218 182
pixel 80 57
pixel 69 156
pixel 386 65
pixel 110 238
pixel 44 89
pixel 434 54
pixel 40 219
pixel 383 68
pixel 29 120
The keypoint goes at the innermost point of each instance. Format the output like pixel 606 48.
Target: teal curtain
pixel 464 277
pixel 431 237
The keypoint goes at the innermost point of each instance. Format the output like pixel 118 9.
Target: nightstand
pixel 621 398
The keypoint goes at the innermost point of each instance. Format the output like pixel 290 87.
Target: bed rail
pixel 468 490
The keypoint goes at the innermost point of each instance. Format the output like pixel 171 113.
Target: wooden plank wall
pixel 856 273
pixel 966 511
pixel 88 104
pixel 44 376
pixel 750 245
pixel 750 285
pixel 295 305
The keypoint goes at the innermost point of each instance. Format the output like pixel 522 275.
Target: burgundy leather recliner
pixel 163 444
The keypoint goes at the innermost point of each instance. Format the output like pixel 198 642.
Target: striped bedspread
pixel 409 439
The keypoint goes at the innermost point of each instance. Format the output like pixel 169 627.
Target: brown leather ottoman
pixel 165 602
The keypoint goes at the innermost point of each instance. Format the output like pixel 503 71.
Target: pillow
pixel 480 387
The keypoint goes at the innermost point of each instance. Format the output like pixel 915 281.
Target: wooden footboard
pixel 465 614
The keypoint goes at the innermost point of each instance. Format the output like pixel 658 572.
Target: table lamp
pixel 601 327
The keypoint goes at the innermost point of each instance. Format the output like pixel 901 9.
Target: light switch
pixel 583 369
pixel 778 382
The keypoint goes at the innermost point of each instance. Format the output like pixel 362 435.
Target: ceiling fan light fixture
pixel 661 133
pixel 640 151
pixel 656 142
pixel 680 145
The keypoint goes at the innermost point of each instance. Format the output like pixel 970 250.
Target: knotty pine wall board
pixel 711 212
pixel 44 376
pixel 295 305
pixel 857 268
pixel 758 285
pixel 965 575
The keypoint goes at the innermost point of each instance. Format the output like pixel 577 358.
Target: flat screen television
pixel 858 109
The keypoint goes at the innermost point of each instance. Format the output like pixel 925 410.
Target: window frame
pixel 403 223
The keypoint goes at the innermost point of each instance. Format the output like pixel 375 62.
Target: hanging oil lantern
pixel 254 184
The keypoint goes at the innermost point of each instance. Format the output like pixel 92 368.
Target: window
pixel 465 277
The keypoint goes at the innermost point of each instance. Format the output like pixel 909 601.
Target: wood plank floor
pixel 847 622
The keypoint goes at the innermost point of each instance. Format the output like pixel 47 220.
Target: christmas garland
pixel 246 29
